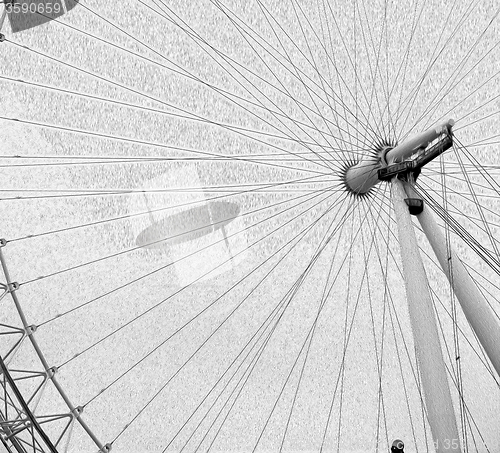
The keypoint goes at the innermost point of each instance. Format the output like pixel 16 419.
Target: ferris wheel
pixel 249 225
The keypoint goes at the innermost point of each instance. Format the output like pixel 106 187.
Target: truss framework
pixel 23 429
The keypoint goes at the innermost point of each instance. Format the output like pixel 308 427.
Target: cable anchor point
pixel 51 372
pixel 13 286
pixel 77 411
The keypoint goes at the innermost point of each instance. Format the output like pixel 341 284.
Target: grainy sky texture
pixel 280 323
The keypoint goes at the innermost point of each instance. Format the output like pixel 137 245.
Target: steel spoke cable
pixel 149 310
pixel 472 122
pixel 379 360
pixel 386 208
pixel 414 92
pixel 355 37
pixel 301 52
pixel 244 378
pixel 283 305
pixel 308 340
pixel 430 185
pixel 233 403
pixel 159 241
pixel 482 252
pixel 456 70
pixel 347 336
pixel 262 7
pixel 149 143
pixel 151 211
pixel 428 112
pixel 167 113
pixel 342 105
pixel 192 115
pixel 274 254
pixel 273 157
pixel 456 175
pixel 313 63
pixel 253 336
pixel 405 59
pixel 432 108
pixel 480 285
pixel 480 168
pixel 346 254
pixel 456 344
pixel 331 63
pixel 166 266
pixel 454 209
pixel 122 160
pixel 411 98
pixel 388 301
pixel 365 136
pixel 357 82
pixel 324 298
pixel 83 194
pixel 155 396
pixel 226 94
pixel 377 70
pixel 327 88
pixel 356 76
pixel 484 142
pixel 262 327
pixel 486 255
pixel 309 267
pixel 294 98
pixel 226 58
pixel 458 228
pixel 391 134
pixel 276 317
pixel 471 93
pixel 460 213
pixel 114 83
pixel 387 78
pixel 374 72
pixel 344 339
pixel 180 190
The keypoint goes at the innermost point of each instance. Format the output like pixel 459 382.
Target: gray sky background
pixel 358 293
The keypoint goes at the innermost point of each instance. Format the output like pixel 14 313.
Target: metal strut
pixel 12 429
pixel 21 419
pixel 424 156
pixel 409 156
pixel 409 170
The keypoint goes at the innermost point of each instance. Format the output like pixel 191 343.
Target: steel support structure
pixel 20 427
pixel 436 390
pixel 474 305
pixel 401 165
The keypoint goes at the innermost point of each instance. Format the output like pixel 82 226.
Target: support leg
pixel 474 305
pixel 438 402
